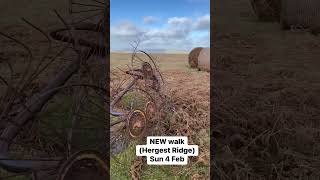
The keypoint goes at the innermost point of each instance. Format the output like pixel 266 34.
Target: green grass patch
pixel 121 163
pixel 113 118
pixel 133 99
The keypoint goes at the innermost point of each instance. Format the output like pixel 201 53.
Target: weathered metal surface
pixel 137 123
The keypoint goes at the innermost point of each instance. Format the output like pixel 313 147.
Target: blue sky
pixel 159 25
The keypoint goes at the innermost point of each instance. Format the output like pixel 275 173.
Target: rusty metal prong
pixel 117 122
pixel 120 94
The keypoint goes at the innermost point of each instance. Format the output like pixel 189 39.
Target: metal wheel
pixel 150 110
pixel 84 165
pixel 136 124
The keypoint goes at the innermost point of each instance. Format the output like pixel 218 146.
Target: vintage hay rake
pixel 148 90
pixel 57 149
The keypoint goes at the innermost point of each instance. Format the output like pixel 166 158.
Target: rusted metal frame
pixel 118 98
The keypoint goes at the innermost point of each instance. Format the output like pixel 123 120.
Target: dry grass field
pixel 189 89
pixel 266 105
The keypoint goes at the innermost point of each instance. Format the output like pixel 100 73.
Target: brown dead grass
pixel 190 94
pixel 266 108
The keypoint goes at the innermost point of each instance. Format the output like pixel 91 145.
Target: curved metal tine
pixel 82 9
pixel 86 5
pixel 85 112
pixel 139 59
pixel 91 117
pixel 87 1
pixel 35 74
pixel 78 100
pixel 134 55
pixel 86 18
pixel 78 7
pixel 97 105
pixel 74 110
pixel 99 97
pixel 117 121
pixel 14 92
pixel 100 52
pixel 115 78
pixel 99 2
pixel 29 59
pixel 116 114
pixel 124 78
pixel 8 63
pixel 97 48
pixel 67 26
pixel 122 82
pixel 119 85
pixel 134 51
pixel 122 93
pixel 113 89
pixel 51 60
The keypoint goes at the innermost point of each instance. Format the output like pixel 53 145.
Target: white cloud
pixel 178 33
pixel 124 33
pixel 125 29
pixel 179 21
pixel 202 23
pixel 176 28
pixel 149 19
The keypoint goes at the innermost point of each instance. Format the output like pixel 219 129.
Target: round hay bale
pixel 267 10
pixel 204 60
pixel 193 57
